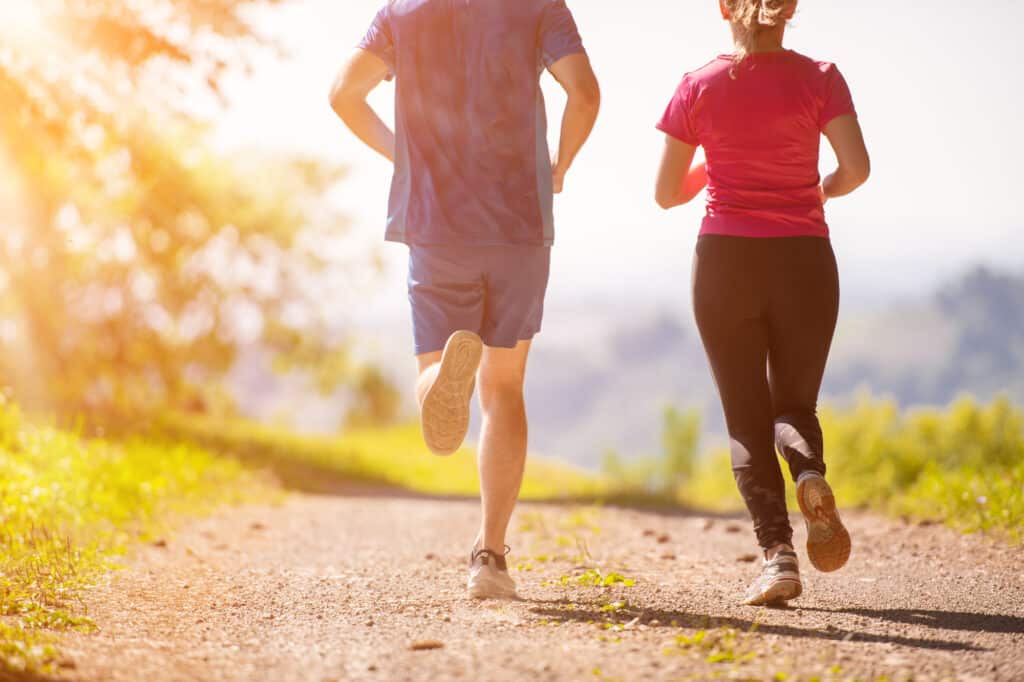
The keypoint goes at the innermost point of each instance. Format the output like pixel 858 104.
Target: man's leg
pixel 502 446
pixel 444 390
pixel 427 365
pixel 447 299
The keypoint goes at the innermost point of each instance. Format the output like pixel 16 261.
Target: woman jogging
pixel 765 284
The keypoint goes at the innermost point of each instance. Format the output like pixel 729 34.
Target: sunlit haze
pixel 936 91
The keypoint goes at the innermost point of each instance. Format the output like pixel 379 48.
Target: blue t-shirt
pixel 472 165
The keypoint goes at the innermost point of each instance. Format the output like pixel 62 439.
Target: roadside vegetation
pixel 382 457
pixel 70 507
pixel 963 465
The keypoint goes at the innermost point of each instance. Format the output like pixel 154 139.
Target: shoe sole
pixel 828 541
pixel 444 416
pixel 779 592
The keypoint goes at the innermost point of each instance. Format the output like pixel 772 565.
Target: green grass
pixel 963 465
pixel 394 457
pixel 69 507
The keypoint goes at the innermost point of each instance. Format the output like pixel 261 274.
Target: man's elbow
pixel 586 95
pixel 590 96
pixel 340 101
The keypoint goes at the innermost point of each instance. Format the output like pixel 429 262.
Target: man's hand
pixel 576 77
pixel 557 177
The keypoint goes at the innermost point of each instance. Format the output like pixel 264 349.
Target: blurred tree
pixel 662 476
pixel 377 403
pixel 133 261
pixel 680 439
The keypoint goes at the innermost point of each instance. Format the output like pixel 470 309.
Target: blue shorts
pixel 495 291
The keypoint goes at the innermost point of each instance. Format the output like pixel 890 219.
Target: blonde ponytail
pixel 750 17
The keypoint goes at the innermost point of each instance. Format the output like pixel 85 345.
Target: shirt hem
pixel 403 239
pixel 764 230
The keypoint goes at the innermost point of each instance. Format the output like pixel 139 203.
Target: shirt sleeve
pixel 559 36
pixel 379 41
pixel 837 99
pixel 678 120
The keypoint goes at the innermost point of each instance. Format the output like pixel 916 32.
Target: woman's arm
pixel 847 140
pixel 678 183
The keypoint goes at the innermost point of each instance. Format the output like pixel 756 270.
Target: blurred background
pixel 187 226
pixel 197 307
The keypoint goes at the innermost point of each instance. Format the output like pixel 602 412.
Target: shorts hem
pixel 490 343
pixel 403 239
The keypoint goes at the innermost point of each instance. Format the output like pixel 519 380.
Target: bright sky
pixel 938 91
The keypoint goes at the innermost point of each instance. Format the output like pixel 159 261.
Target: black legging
pixel 766 310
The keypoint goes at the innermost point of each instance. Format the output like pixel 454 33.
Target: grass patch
pixel 963 465
pixel 395 457
pixel 719 646
pixel 69 507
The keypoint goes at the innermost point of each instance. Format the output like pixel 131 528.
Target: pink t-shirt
pixel 761 133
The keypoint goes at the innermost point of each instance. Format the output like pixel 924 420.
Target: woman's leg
pixel 729 307
pixel 804 307
pixel 802 320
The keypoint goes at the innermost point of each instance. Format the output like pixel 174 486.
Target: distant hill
pixel 609 388
pixel 602 373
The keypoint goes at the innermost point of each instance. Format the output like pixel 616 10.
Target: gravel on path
pixel 372 588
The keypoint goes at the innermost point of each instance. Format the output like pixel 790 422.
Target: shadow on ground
pixel 11 676
pixel 565 611
pixel 940 620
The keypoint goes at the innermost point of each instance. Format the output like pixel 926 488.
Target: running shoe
pixel 778 583
pixel 488 576
pixel 444 415
pixel 828 541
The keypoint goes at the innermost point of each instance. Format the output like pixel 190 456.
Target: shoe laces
pixel 487 554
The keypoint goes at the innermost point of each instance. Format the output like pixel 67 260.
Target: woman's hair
pixel 753 16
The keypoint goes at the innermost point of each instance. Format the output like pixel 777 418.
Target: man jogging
pixel 472 197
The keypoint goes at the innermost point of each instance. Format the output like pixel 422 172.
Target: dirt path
pixel 335 588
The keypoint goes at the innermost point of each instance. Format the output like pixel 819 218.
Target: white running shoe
pixel 828 541
pixel 444 414
pixel 488 576
pixel 778 583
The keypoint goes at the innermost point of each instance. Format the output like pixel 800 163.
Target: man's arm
pixel 678 183
pixel 357 79
pixel 577 78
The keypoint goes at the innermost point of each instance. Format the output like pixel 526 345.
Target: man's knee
pixel 498 391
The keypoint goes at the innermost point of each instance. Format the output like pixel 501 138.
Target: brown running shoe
pixel 444 415
pixel 828 541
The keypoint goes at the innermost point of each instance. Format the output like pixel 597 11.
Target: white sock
pixel 806 475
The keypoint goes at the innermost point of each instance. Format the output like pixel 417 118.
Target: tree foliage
pixel 134 260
